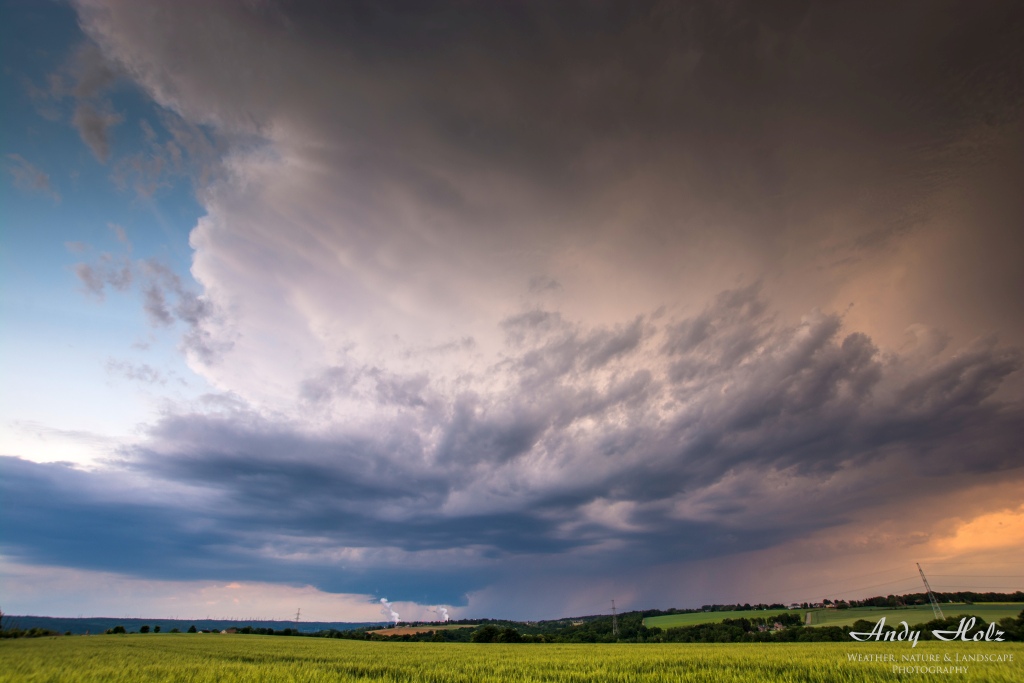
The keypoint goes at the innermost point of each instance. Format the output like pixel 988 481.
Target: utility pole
pixel 298 613
pixel 936 610
pixel 615 622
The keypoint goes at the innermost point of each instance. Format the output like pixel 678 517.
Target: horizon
pixel 389 309
pixel 741 607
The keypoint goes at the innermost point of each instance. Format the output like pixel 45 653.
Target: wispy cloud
pixel 136 372
pixel 106 270
pixel 30 178
pixel 94 125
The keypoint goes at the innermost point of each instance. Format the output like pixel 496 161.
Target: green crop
pixel 209 658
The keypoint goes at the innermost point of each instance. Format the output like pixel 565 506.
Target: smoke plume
pixel 388 611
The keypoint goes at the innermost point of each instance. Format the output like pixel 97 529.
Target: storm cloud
pixel 501 292
pixel 696 439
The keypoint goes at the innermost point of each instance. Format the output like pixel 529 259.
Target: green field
pixel 693 618
pixel 213 658
pixel 917 614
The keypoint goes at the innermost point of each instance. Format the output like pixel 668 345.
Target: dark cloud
pixel 70 494
pixel 643 155
pixel 745 104
pixel 371 384
pixel 552 348
pixel 808 400
pixel 686 466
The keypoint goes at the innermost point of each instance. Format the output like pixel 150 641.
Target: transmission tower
pixel 936 610
pixel 298 613
pixel 615 622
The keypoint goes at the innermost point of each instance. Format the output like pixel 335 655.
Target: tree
pixel 116 629
pixel 9 629
pixel 144 628
pixel 192 628
pixel 485 634
pixel 508 635
pixel 156 629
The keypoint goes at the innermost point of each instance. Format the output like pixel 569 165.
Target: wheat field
pixel 210 658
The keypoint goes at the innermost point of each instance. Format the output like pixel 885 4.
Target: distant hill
pixel 94 625
pixel 913 614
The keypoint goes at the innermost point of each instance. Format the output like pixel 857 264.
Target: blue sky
pixel 512 310
pixel 64 206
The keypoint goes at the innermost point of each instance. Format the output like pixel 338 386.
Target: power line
pixel 876 585
pixel 860 576
pixel 987 576
pixel 936 610
pixel 960 576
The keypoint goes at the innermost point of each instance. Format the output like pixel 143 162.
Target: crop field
pixel 198 658
pixel 916 614
pixel 692 618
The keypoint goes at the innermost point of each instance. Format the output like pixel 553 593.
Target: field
pixel 692 618
pixel 917 614
pixel 197 658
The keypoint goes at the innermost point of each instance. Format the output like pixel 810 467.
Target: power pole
pixel 298 613
pixel 615 622
pixel 936 610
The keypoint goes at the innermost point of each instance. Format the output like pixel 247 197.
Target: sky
pixel 511 309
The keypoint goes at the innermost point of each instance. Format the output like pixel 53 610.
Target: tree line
pixel 782 627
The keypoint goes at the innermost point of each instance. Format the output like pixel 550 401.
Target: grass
pixel 212 658
pixel 916 614
pixel 693 618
